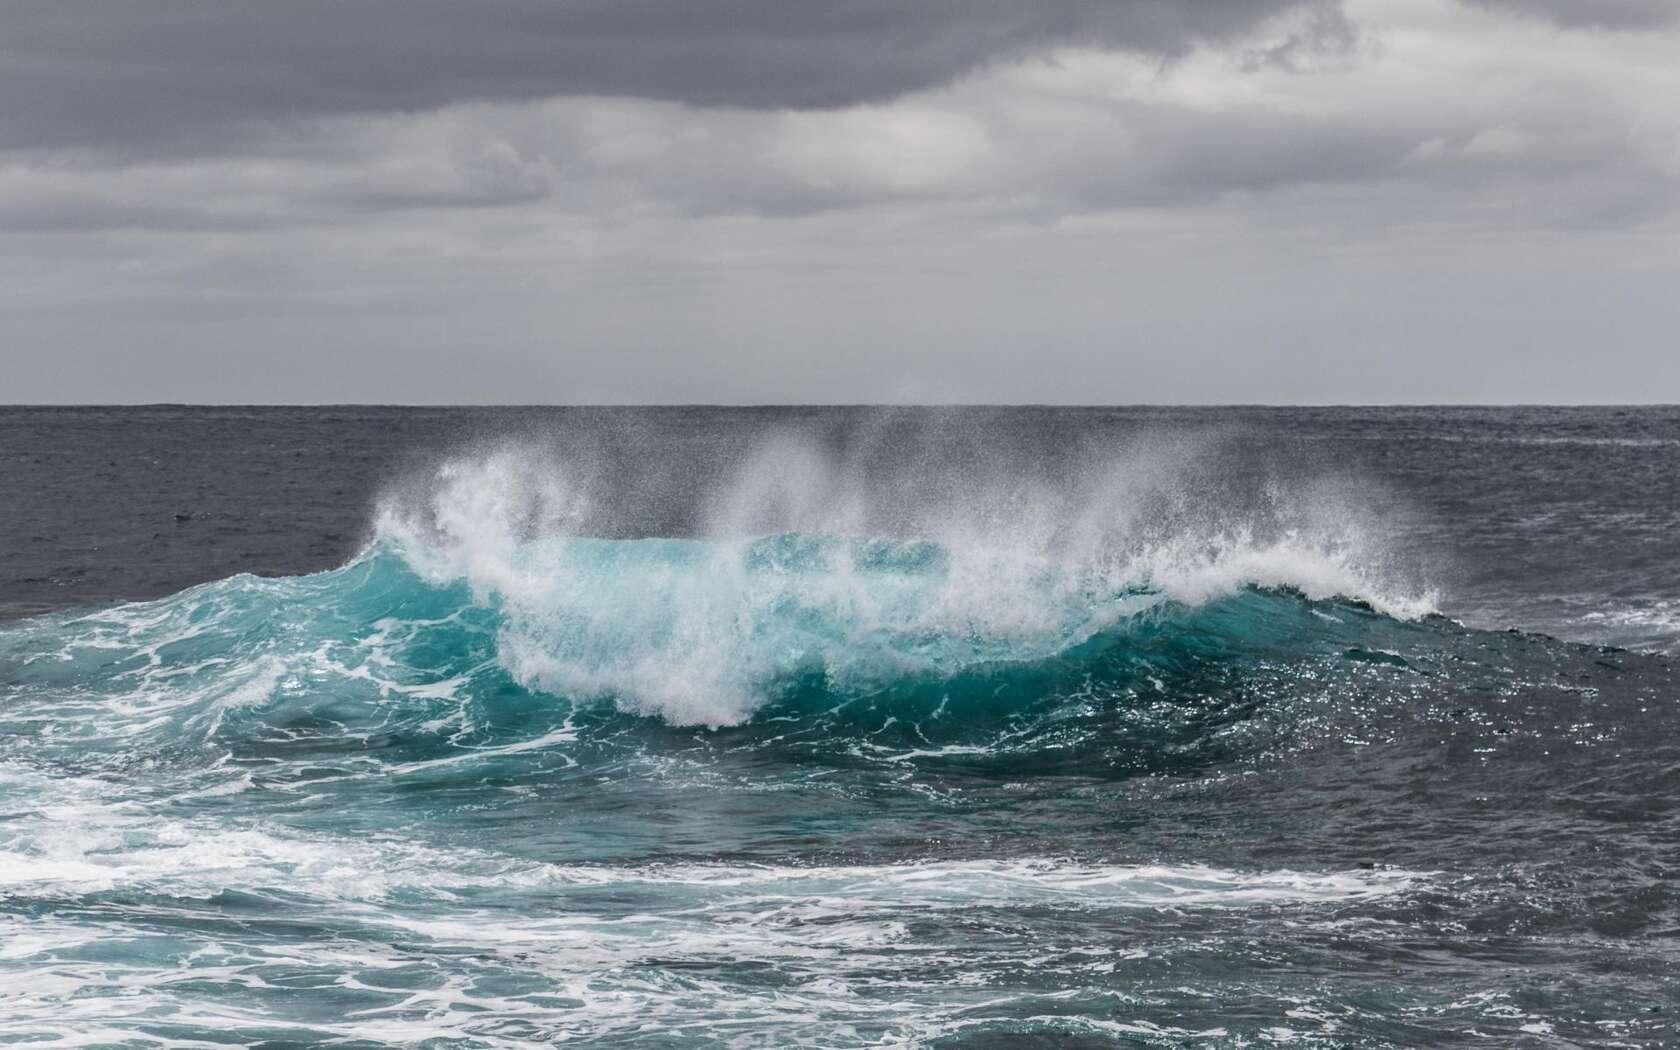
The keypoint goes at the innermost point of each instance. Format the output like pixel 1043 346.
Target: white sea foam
pixel 581 951
pixel 1649 623
pixel 464 943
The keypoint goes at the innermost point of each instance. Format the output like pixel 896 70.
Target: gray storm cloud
pixel 177 74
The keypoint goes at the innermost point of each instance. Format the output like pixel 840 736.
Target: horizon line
pixel 768 405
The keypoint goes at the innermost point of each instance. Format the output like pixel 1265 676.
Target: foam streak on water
pixel 402 943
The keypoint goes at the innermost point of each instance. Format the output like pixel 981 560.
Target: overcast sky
pixel 1085 201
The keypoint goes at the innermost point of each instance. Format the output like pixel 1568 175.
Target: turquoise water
pixel 502 780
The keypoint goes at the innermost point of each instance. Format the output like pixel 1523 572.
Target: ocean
pixel 839 727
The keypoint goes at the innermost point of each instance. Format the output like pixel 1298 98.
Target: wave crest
pixel 801 566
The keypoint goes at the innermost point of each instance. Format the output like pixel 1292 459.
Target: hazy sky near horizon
pixel 1082 201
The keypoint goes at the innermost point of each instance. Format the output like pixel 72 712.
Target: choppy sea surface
pixel 839 727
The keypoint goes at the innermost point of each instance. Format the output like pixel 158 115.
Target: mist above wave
pixel 917 554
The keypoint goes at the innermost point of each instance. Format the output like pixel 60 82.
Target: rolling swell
pixel 799 645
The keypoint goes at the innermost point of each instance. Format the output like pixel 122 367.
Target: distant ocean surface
pixel 839 727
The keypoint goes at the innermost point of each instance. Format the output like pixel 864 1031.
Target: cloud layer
pixel 183 162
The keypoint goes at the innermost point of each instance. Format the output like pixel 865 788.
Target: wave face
pixel 1154 751
pixel 857 636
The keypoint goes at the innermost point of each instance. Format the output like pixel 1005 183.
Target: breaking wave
pixel 798 574
pixel 488 590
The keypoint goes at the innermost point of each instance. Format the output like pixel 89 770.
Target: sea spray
pixel 798 570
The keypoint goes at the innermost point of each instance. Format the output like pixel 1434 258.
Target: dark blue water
pixel 839 727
